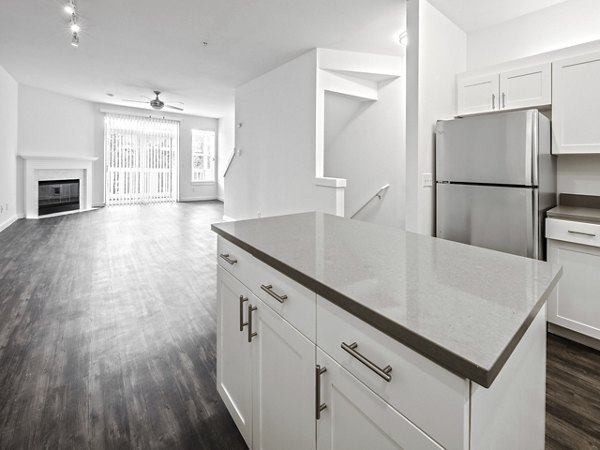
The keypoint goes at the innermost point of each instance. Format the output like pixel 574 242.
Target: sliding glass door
pixel 140 155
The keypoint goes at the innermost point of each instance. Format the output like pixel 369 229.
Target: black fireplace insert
pixel 56 196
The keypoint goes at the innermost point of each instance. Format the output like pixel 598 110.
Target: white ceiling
pixel 131 47
pixel 472 15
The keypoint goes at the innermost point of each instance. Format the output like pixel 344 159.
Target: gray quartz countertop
pixel 576 213
pixel 465 308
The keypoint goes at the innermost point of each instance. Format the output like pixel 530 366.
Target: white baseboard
pixel 201 198
pixel 7 223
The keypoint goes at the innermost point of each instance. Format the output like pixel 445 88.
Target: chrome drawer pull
pixel 383 373
pixel 225 256
pixel 251 333
pixel 269 290
pixel 582 233
pixel 242 323
pixel 318 405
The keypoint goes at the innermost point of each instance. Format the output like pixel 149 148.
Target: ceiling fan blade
pixel 174 107
pixel 143 96
pixel 134 101
pixel 177 103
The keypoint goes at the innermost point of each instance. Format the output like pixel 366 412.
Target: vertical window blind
pixel 140 155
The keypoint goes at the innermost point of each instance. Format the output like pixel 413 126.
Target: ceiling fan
pixel 156 103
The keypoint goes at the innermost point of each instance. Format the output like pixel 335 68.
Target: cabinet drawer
pixel 572 231
pixel 291 300
pixel 431 397
pixel 236 261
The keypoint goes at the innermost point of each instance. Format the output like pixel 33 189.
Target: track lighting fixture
pixel 71 9
pixel 75 28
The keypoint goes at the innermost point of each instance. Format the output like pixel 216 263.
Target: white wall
pixel 437 50
pixel 57 124
pixel 188 191
pixel 226 143
pixel 275 173
pixel 367 148
pixel 8 149
pixel 562 25
pixel 579 174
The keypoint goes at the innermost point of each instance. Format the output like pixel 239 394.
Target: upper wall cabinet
pixel 521 88
pixel 575 116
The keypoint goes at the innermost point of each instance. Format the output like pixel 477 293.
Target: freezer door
pixel 490 149
pixel 499 218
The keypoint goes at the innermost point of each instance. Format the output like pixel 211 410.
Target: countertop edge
pixel 432 351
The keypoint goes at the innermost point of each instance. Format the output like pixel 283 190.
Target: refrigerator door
pixel 499 218
pixel 489 149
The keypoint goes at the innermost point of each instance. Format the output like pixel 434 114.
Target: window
pixel 141 159
pixel 203 156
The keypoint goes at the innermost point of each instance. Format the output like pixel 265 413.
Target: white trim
pixel 30 156
pixel 8 222
pixel 202 183
pixel 63 213
pixel 330 182
pixel 200 198
pixel 49 168
pixel 138 114
pixel 228 219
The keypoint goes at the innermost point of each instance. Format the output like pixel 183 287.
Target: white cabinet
pixel 355 418
pixel 479 94
pixel 354 387
pixel 521 88
pixel 234 377
pixel 575 112
pixel 283 389
pixel 575 303
pixel 265 367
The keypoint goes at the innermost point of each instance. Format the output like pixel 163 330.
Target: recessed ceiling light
pixel 403 38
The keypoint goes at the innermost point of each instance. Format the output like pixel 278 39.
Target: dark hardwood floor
pixel 107 331
pixel 572 396
pixel 107 337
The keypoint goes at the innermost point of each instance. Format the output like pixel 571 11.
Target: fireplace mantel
pixel 41 167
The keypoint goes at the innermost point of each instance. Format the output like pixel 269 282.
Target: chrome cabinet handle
pixel 582 233
pixel 225 256
pixel 251 333
pixel 269 290
pixel 318 405
pixel 503 100
pixel 383 373
pixel 242 323
pixel 493 101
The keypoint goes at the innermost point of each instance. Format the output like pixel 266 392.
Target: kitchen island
pixel 368 336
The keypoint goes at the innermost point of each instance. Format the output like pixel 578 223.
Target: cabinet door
pixel 283 383
pixel 234 376
pixel 527 87
pixel 477 95
pixel 355 418
pixel 575 303
pixel 575 111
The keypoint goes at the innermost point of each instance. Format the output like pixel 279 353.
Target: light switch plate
pixel 427 180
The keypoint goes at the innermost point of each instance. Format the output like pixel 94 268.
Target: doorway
pixel 141 159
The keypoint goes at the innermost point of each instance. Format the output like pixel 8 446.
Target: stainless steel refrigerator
pixel 495 180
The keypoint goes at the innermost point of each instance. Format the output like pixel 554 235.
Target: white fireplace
pixel 44 168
